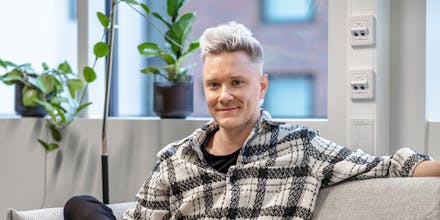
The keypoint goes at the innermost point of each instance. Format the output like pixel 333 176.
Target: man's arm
pixel 152 198
pixel 427 168
pixel 340 163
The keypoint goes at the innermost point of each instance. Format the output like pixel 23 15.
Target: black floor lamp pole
pixel 104 155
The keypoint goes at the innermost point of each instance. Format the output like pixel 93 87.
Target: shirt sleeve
pixel 337 163
pixel 152 198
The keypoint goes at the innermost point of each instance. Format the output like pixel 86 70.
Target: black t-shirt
pixel 219 163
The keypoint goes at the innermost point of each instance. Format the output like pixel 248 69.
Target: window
pixel 41 31
pixel 287 10
pixel 291 50
pixel 298 89
pixel 432 58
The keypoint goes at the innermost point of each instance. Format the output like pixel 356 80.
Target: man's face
pixel 233 86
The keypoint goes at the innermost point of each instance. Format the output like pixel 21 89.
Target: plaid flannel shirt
pixel 278 174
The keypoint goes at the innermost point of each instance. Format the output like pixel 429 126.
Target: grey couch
pixel 390 198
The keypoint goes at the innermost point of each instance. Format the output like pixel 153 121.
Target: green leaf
pixel 83 106
pixel 151 70
pixel 149 49
pixel 146 8
pixel 132 2
pixel 74 85
pixel 30 94
pixel 45 66
pixel 26 68
pixel 45 83
pixel 103 19
pixel 179 63
pixel 47 146
pixel 12 77
pixel 173 7
pixel 56 134
pixel 192 47
pixel 3 64
pixel 58 107
pixel 100 49
pixel 58 100
pixel 44 103
pixel 65 67
pixel 180 31
pixel 57 115
pixel 89 74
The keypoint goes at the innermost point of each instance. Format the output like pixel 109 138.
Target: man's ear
pixel 264 83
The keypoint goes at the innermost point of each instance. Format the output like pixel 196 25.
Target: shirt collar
pixel 199 136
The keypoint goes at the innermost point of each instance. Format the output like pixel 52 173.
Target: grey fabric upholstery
pixel 57 213
pixel 390 198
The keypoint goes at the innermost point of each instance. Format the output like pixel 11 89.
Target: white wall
pixel 408 28
pixel 76 167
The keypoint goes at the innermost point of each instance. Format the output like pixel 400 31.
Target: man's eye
pixel 213 85
pixel 237 82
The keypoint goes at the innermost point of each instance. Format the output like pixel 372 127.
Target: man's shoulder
pixel 282 128
pixel 187 144
pixel 298 130
pixel 173 148
pixel 286 128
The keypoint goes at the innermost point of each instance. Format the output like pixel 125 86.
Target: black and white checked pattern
pixel 278 175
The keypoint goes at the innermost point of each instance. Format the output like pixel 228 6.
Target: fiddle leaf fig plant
pixel 174 52
pixel 53 88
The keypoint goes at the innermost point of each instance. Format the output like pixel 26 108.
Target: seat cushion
pixel 57 213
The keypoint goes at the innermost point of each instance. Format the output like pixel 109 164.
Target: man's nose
pixel 225 94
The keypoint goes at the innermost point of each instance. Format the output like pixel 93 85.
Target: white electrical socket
pixel 362 30
pixel 361 84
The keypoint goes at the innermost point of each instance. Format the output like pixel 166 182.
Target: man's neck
pixel 227 141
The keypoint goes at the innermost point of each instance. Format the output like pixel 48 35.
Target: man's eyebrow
pixel 209 80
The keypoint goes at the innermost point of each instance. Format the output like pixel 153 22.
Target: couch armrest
pixel 384 198
pixel 57 213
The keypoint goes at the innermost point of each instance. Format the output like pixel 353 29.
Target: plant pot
pixel 22 110
pixel 173 99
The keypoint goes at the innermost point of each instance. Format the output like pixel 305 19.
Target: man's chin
pixel 227 122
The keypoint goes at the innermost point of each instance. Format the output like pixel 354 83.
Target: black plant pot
pixel 22 110
pixel 173 99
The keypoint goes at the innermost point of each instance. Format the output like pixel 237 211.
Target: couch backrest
pixel 385 198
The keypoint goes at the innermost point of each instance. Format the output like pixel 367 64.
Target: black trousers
pixel 87 207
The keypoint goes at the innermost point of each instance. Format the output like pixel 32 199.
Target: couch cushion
pixel 57 213
pixel 384 198
pixel 37 214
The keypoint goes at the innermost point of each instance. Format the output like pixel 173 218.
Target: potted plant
pixel 52 91
pixel 173 86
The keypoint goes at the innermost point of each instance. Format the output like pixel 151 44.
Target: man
pixel 244 165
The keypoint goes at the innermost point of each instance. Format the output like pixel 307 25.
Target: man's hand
pixel 427 168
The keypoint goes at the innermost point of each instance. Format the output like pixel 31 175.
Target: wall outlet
pixel 362 30
pixel 362 134
pixel 361 84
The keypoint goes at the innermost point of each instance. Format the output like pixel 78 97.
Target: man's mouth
pixel 226 109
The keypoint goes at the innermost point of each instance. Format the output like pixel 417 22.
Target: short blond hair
pixel 230 37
